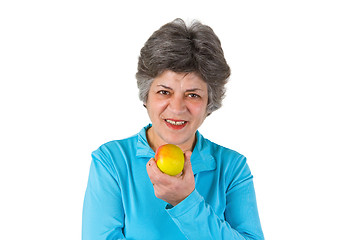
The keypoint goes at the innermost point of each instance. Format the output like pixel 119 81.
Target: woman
pixel 181 77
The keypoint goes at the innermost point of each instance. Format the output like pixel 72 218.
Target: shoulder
pixel 231 164
pixel 116 152
pixel 117 147
pixel 228 161
pixel 222 153
pixel 123 150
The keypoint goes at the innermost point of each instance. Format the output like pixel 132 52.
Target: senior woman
pixel 181 78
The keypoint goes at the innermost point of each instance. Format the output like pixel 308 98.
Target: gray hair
pixel 181 48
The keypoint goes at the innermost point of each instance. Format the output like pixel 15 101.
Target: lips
pixel 175 124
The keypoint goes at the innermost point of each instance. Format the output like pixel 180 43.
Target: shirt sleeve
pixel 103 213
pixel 196 219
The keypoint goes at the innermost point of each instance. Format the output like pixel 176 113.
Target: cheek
pixel 198 109
pixel 156 106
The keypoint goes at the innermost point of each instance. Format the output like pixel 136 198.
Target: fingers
pixel 156 176
pixel 152 168
pixel 150 164
pixel 171 189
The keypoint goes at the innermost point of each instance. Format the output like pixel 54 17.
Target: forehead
pixel 173 78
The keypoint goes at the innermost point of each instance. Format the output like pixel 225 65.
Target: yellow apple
pixel 170 159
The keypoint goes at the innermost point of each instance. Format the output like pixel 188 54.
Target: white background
pixel 292 107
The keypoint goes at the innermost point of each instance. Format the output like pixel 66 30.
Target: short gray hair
pixel 181 48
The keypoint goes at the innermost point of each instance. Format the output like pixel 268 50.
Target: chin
pixel 175 140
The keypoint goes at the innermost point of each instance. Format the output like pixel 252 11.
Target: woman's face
pixel 176 105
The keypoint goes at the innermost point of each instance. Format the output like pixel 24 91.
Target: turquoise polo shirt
pixel 120 202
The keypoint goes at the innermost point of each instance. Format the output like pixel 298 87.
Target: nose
pixel 177 105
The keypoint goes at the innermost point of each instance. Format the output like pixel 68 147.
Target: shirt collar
pixel 201 158
pixel 142 148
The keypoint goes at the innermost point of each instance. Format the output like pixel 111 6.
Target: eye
pixel 164 92
pixel 193 95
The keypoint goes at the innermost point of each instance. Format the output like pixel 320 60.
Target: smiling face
pixel 177 106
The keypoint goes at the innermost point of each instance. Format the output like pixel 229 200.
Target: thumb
pixel 187 163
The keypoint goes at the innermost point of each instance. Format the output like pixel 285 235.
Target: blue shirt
pixel 120 202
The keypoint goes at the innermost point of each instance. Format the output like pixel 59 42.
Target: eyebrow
pixel 188 90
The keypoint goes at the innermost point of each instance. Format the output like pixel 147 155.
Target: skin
pixel 180 97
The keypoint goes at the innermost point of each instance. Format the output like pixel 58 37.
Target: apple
pixel 170 159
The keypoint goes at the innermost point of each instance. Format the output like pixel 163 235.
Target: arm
pixel 197 220
pixel 241 207
pixel 103 213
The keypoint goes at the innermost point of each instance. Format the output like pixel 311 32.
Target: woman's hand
pixel 172 189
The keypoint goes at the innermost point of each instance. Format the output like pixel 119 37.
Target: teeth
pixel 174 122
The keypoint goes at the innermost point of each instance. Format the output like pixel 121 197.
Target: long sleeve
pixel 120 203
pixel 197 220
pixel 103 214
